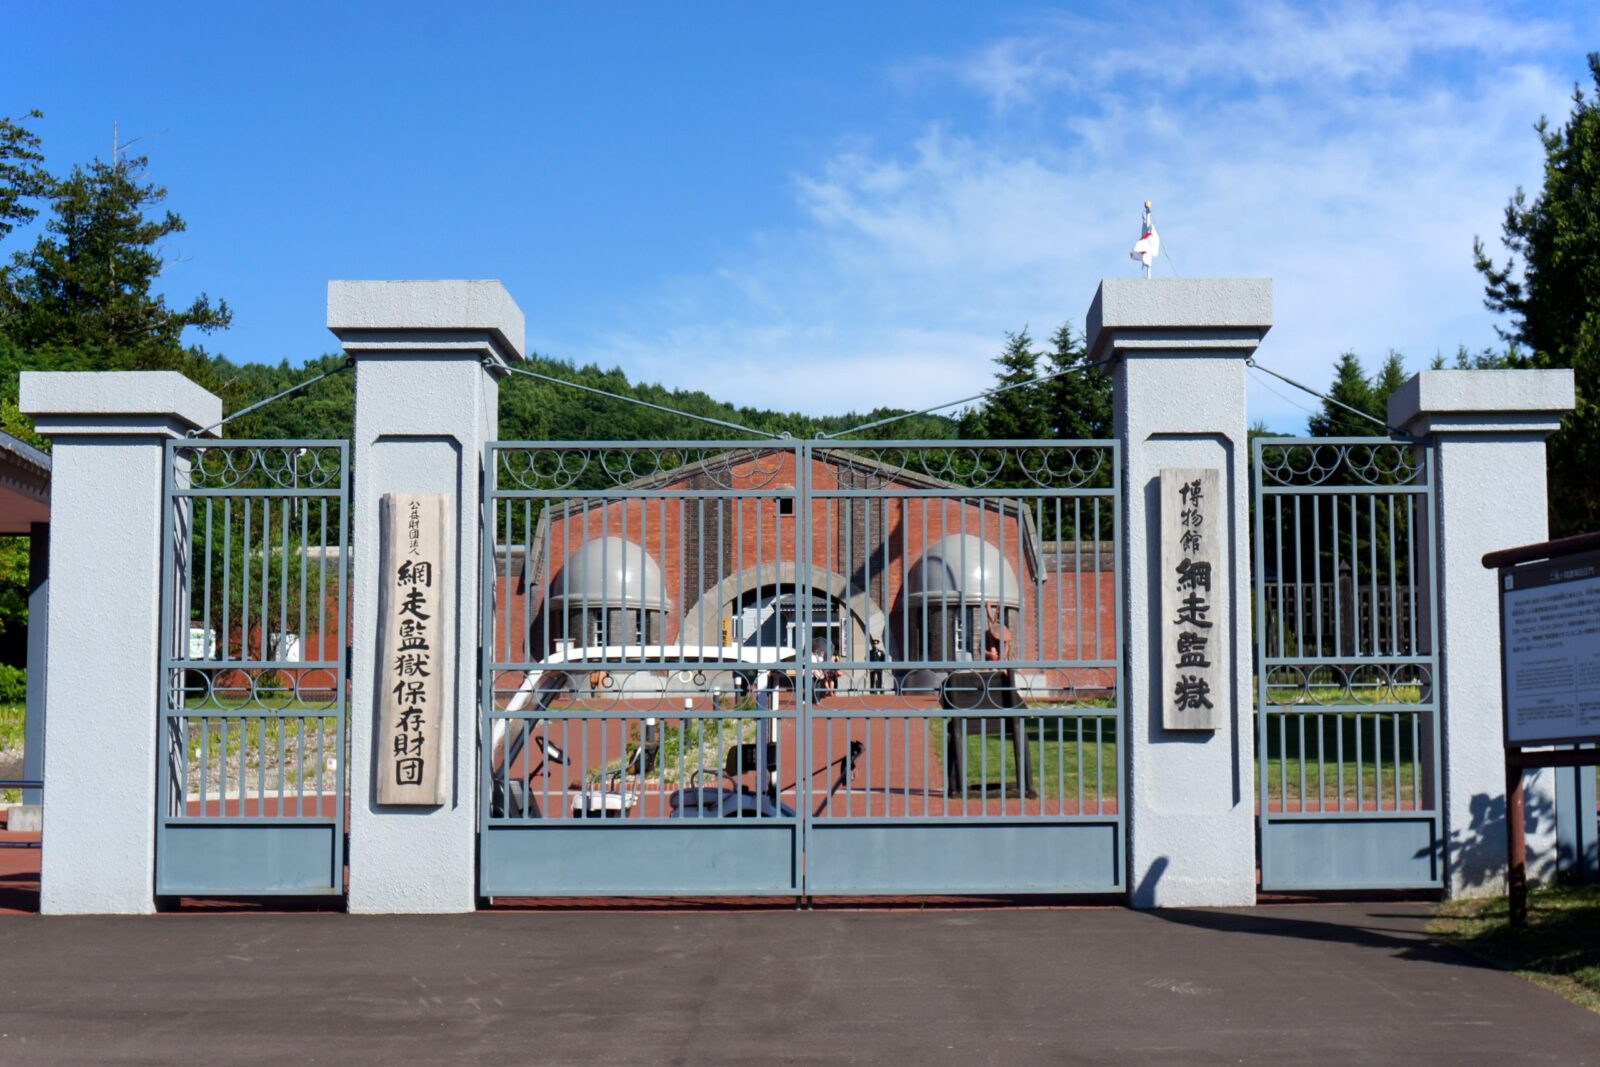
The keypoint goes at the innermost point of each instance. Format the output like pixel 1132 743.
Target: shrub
pixel 13 684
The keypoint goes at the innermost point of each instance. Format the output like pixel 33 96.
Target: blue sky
pixel 819 206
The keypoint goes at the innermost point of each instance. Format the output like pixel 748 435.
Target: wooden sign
pixel 414 612
pixel 1194 600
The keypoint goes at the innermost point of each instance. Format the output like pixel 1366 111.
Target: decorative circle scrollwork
pixel 1311 462
pixel 244 466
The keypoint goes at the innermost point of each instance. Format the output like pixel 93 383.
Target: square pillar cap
pixel 1178 316
pixel 161 403
pixel 1482 401
pixel 441 316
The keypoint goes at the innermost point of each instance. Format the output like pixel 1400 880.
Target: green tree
pixel 86 284
pixel 1547 287
pixel 1079 400
pixel 23 179
pixel 1021 411
pixel 1350 387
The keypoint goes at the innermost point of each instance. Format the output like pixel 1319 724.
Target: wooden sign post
pixel 414 611
pixel 1194 600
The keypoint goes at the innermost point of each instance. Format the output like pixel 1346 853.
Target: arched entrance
pixel 775 616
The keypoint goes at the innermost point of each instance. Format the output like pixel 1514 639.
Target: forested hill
pixel 534 410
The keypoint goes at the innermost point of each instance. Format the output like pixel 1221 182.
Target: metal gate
pixel 253 668
pixel 793 668
pixel 1346 664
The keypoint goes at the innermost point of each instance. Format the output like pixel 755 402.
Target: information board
pixel 1550 644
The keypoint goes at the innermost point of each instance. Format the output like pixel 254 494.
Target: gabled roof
pixel 24 485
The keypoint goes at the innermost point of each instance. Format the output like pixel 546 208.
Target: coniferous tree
pixel 1547 288
pixel 1350 386
pixel 1079 401
pixel 87 283
pixel 1019 412
pixel 23 179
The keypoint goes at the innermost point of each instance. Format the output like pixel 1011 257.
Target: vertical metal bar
pixel 222 766
pixel 1077 581
pixel 1263 670
pixel 1079 747
pixel 1338 737
pixel 1411 573
pixel 266 578
pixel 283 578
pixel 1355 575
pixel 683 575
pixel 306 654
pixel 905 582
pixel 1301 722
pixel 1322 741
pixel 1361 768
pixel 1277 547
pixel 1099 652
pixel 1416 762
pixel 244 582
pixel 1099 766
pixel 1316 573
pixel 1338 582
pixel 1394 593
pixel 1394 759
pixel 1299 587
pixel 167 609
pixel 1038 587
pixel 341 756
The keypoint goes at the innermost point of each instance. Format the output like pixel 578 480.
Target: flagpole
pixel 1149 262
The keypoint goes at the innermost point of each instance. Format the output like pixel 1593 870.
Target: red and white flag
pixel 1148 246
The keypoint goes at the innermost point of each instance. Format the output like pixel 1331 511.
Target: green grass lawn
pixel 1055 751
pixel 1335 739
pixel 11 725
pixel 1560 949
pixel 10 737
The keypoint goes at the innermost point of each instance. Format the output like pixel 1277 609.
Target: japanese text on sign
pixel 1550 635
pixel 414 689
pixel 1193 600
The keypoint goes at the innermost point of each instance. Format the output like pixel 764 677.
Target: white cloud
pixel 1351 153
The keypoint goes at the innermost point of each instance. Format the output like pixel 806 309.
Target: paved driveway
pixel 1306 983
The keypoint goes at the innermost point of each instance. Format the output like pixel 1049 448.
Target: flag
pixel 1148 246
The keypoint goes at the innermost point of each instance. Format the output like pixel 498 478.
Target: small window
pixel 786 505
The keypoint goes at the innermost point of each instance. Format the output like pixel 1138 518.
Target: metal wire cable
pixel 966 399
pixel 1251 362
pixel 645 403
pixel 346 365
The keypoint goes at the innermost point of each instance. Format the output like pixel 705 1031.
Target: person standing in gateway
pixel 876 656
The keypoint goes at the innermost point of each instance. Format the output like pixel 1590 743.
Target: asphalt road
pixel 1285 984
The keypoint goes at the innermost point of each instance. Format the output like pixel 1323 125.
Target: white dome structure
pixel 962 567
pixel 609 572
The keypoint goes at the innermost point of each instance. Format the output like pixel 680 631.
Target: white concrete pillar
pixel 1490 428
pixel 428 359
pixel 34 713
pixel 103 644
pixel 1177 349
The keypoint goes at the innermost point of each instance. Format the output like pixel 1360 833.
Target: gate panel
pixel 253 686
pixel 986 740
pixel 682 695
pixel 1346 664
pixel 632 742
